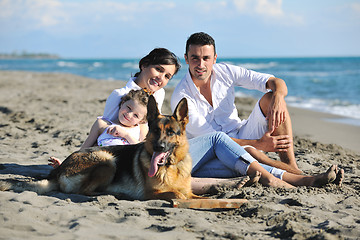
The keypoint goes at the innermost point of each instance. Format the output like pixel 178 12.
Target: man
pixel 209 89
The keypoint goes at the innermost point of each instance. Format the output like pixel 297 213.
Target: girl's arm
pixel 97 128
pixel 118 131
pixel 131 139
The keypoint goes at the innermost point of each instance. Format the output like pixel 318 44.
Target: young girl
pixel 126 129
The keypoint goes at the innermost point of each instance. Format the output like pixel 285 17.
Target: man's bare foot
pixel 54 162
pixel 331 175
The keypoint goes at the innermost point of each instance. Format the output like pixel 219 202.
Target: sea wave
pixel 326 73
pixel 348 113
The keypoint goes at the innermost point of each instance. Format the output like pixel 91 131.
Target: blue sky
pixel 131 28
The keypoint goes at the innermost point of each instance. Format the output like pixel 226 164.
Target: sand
pixel 48 114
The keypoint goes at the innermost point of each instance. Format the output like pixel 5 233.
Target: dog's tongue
pixel 156 158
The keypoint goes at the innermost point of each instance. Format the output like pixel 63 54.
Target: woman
pixel 156 69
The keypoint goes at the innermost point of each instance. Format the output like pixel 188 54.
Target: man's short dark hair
pixel 201 39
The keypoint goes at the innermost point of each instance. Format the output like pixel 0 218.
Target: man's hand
pixel 270 143
pixel 276 112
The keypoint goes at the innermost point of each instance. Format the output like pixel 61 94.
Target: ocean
pixel 324 84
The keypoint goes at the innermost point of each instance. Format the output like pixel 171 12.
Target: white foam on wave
pixel 254 66
pixel 337 107
pixel 132 65
pixel 97 64
pixel 67 64
pixel 306 74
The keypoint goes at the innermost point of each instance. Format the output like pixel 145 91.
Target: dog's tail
pixel 40 187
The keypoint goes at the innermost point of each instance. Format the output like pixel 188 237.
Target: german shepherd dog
pixel 159 168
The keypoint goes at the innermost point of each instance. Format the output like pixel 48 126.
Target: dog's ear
pixel 181 112
pixel 152 109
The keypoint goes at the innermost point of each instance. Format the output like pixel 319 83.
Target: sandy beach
pixel 50 114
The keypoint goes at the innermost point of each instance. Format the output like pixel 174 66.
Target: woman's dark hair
pixel 159 56
pixel 140 96
pixel 201 39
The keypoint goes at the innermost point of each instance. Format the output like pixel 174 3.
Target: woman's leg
pixel 266 178
pixel 332 175
pixel 214 168
pixel 216 154
pixel 209 171
pixel 289 180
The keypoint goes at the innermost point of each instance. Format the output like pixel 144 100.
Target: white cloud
pixel 47 14
pixel 269 10
pixel 208 7
pixel 32 14
pixel 356 7
pixel 241 5
pixel 5 10
pixel 269 7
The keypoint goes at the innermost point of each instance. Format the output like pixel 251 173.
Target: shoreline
pixel 50 114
